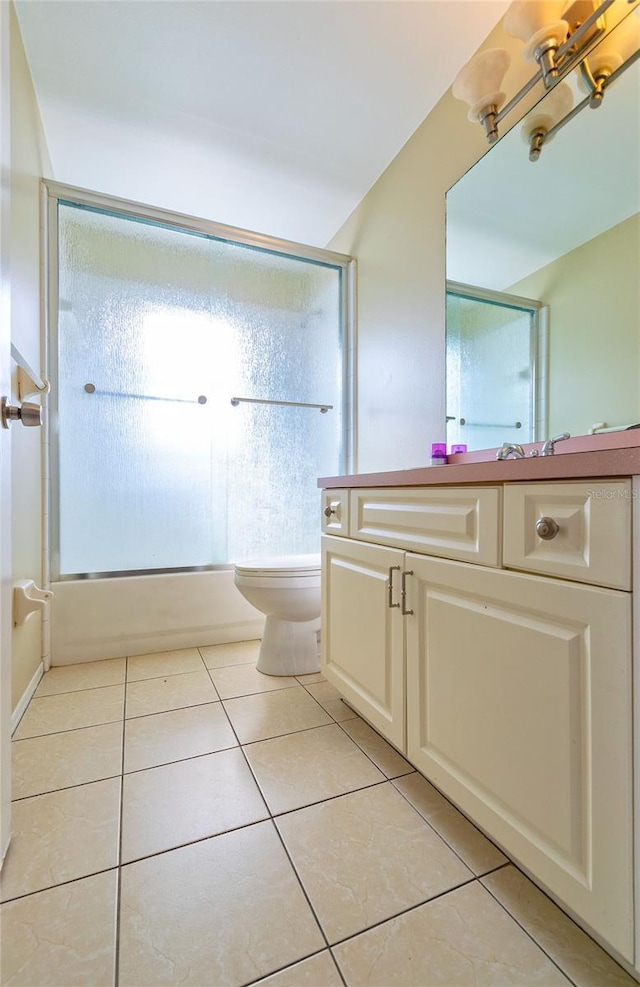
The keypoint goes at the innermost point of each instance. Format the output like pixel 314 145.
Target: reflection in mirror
pixel 563 231
pixel 492 335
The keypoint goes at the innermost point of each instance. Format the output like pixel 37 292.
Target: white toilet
pixel 287 590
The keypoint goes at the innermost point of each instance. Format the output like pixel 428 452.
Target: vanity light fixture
pixel 542 30
pixel 539 126
pixel 612 54
pixel 478 84
pixel 558 37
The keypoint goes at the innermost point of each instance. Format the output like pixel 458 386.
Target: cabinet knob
pixel 328 511
pixel 547 528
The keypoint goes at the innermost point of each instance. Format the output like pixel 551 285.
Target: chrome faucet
pixel 548 448
pixel 510 449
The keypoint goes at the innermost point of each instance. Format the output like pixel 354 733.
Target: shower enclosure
pixel 199 389
pixel 495 359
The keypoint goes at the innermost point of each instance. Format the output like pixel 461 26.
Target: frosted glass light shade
pixel 617 47
pixel 555 107
pixel 537 22
pixel 478 82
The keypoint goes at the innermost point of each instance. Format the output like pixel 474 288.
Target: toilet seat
pixel 282 566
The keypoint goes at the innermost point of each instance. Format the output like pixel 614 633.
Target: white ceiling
pixel 271 115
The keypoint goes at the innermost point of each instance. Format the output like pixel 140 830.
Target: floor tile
pixel 463 938
pixel 72 710
pixel 61 836
pixel 317 971
pixel 169 692
pixel 470 844
pixel 572 949
pixel 84 675
pixel 59 760
pixel 237 653
pixel 245 680
pixel 228 910
pixel 270 714
pixel 163 663
pixel 365 857
pixel 165 807
pixel 323 692
pixel 383 755
pixel 310 678
pixel 173 736
pixel 339 711
pixel 309 766
pixel 63 936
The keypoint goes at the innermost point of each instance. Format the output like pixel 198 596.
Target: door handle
pixel 390 602
pixel 28 413
pixel 403 593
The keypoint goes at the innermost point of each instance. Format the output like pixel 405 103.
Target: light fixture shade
pixel 478 82
pixel 555 106
pixel 617 47
pixel 537 22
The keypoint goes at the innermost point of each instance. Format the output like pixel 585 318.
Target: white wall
pixel 594 335
pixel 397 234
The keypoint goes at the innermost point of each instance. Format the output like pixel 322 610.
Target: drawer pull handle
pixel 403 593
pixel 328 511
pixel 390 602
pixel 547 528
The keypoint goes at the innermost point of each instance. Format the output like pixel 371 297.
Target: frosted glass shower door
pixel 158 328
pixel 491 371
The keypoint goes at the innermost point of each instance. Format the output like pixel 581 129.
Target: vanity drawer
pixel 335 512
pixel 588 530
pixel 461 523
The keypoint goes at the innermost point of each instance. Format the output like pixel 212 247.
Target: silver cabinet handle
pixel 390 602
pixel 328 511
pixel 28 413
pixel 547 528
pixel 403 593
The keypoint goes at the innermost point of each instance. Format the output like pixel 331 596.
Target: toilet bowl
pixel 287 590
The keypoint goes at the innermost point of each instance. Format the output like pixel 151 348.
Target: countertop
pixel 611 454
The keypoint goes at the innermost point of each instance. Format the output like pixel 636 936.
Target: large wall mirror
pixel 543 275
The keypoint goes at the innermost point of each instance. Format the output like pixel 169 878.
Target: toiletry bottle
pixel 458 448
pixel 438 454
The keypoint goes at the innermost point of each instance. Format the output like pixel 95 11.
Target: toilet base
pixel 289 647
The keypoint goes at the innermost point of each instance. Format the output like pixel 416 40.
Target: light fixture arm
pixel 488 121
pixel 536 144
pixel 546 55
pixel 595 84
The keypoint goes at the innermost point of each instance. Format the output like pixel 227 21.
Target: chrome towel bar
pixel 290 404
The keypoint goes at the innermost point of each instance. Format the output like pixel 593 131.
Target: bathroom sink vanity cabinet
pixel 486 631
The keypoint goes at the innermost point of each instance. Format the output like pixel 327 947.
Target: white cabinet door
pixel 362 636
pixel 519 709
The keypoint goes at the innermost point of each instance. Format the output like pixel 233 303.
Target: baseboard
pixel 25 699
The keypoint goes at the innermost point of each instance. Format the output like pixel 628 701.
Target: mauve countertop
pixel 608 454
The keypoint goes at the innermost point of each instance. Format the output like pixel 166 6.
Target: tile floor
pixel 180 818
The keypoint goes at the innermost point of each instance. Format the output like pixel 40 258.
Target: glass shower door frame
pixel 539 345
pixel 54 193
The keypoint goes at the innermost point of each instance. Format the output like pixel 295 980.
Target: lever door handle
pixel 390 602
pixel 403 593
